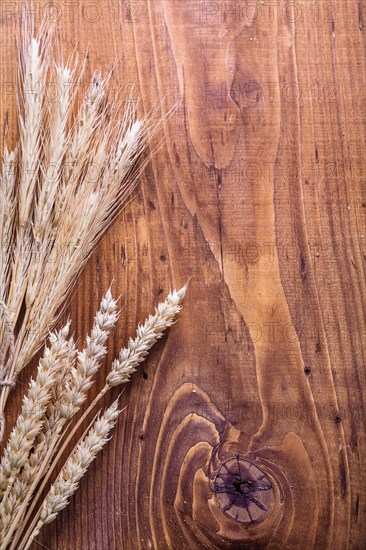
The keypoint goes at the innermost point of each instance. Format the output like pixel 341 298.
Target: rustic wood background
pixel 258 195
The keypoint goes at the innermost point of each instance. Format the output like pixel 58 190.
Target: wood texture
pixel 258 195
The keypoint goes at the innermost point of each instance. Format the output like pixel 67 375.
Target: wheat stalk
pixel 7 215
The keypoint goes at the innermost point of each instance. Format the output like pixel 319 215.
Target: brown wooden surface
pixel 259 195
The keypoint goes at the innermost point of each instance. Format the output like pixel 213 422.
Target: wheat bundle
pixel 41 434
pixel 50 222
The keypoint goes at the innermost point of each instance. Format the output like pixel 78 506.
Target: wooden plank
pixel 258 195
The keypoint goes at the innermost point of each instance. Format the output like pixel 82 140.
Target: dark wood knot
pixel 243 491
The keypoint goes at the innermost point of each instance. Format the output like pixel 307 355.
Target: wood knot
pixel 243 491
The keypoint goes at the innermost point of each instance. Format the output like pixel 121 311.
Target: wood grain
pixel 258 195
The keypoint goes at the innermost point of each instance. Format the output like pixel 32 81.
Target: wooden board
pixel 248 428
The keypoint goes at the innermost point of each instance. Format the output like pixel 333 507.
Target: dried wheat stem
pixel 34 59
pixel 32 69
pixel 73 470
pixel 7 215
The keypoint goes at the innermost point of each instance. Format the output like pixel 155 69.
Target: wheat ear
pixel 21 491
pixel 89 360
pixel 146 336
pixel 136 351
pixel 73 470
pixel 29 422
